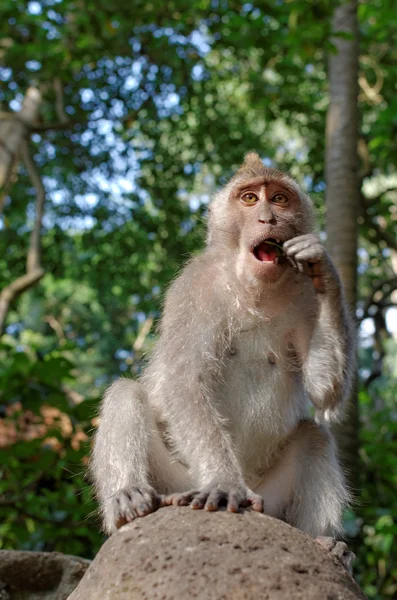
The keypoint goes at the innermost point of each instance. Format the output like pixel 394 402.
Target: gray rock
pixel 39 575
pixel 178 553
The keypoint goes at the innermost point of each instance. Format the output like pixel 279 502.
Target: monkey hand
pixel 215 495
pixel 312 259
pixel 131 502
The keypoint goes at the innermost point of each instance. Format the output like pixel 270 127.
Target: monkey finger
pixel 318 283
pixel 123 517
pixel 143 509
pixel 305 240
pixel 199 501
pixel 257 502
pixel 215 499
pixel 120 521
pixel 315 272
pixel 234 502
pixel 179 499
pixel 166 500
pixel 162 500
pixel 310 254
pixel 149 494
pixel 185 498
pixel 296 246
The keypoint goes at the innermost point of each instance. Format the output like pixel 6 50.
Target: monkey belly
pixel 264 400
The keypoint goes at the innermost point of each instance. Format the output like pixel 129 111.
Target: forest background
pixel 118 122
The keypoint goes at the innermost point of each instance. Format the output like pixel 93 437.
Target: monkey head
pixel 257 211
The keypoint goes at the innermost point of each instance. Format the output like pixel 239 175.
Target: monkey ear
pixel 252 161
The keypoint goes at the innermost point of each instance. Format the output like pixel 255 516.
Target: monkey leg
pixel 306 485
pixel 130 464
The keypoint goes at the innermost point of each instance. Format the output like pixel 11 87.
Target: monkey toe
pixel 326 542
pixel 338 549
pixel 346 557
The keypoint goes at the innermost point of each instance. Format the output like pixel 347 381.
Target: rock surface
pixel 39 575
pixel 181 553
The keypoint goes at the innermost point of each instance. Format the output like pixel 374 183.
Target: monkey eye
pixel 280 199
pixel 249 198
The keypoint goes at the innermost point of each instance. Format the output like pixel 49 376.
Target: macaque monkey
pixel 254 330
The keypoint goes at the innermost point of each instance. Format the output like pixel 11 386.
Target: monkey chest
pixel 262 355
pixel 263 390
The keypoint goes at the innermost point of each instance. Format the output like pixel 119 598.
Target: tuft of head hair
pixel 252 160
pixel 253 167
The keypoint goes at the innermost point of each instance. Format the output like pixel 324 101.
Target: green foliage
pixel 43 493
pixel 377 502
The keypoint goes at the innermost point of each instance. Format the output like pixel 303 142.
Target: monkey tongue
pixel 266 252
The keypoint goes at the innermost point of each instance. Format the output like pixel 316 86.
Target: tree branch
pixel 16 288
pixel 381 233
pixel 392 285
pixel 59 101
pixel 371 92
pixel 57 327
pixel 367 202
pixel 366 168
pixel 144 332
pixel 33 257
pixel 34 270
pixel 375 374
pixel 58 126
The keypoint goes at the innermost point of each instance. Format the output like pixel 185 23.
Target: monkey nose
pixel 265 214
pixel 267 219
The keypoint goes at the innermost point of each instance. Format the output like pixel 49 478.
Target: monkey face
pixel 251 218
pixel 269 213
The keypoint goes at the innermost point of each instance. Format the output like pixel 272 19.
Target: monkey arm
pixel 328 358
pixel 329 364
pixel 189 359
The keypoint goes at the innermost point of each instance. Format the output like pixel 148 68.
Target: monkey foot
pixel 179 498
pixel 213 498
pixel 131 502
pixel 338 549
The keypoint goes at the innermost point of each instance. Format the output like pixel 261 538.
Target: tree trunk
pixel 342 193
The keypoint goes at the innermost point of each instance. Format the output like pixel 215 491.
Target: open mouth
pixel 270 250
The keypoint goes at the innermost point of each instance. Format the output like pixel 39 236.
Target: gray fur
pixel 221 413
